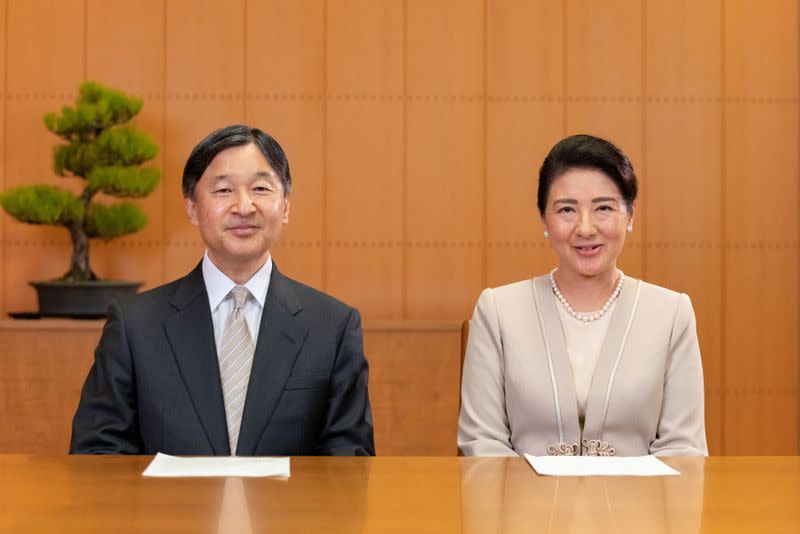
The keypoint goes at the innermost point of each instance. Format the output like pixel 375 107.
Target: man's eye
pixel 223 190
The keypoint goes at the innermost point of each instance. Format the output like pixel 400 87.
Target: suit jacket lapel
pixel 611 349
pixel 191 335
pixel 562 371
pixel 280 337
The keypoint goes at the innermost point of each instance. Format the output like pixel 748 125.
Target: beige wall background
pixel 415 129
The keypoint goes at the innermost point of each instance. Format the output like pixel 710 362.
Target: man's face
pixel 240 209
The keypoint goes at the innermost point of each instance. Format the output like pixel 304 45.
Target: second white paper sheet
pixel 584 466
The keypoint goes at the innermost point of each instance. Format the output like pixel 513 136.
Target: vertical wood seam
pixel 404 180
pixel 244 62
pixel 564 61
pixel 164 143
pixel 485 143
pixel 85 39
pixel 644 173
pixel 4 148
pixel 324 149
pixel 723 231
pixel 797 265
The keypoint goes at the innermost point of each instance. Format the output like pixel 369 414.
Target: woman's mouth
pixel 588 250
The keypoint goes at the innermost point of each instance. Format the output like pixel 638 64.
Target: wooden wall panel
pixel 298 127
pixel 604 48
pixel 414 387
pixel 683 49
pixel 524 119
pixel 445 162
pixel 116 30
pixel 285 98
pixel 45 64
pixel 755 30
pixel 516 28
pixel 520 134
pixel 445 158
pixel 43 367
pixel 365 165
pixel 684 183
pixel 284 47
pixel 761 140
pixel 365 169
pixel 445 63
pixel 204 89
pixel 414 131
pixel 684 175
pixel 377 42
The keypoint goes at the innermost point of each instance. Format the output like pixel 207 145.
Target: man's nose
pixel 244 202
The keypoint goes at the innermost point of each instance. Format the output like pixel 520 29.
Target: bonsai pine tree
pixel 105 152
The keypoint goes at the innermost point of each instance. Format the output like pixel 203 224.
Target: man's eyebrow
pixel 257 174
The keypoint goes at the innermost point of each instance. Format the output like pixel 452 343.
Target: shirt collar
pixel 218 285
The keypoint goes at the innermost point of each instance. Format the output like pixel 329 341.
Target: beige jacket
pixel 518 390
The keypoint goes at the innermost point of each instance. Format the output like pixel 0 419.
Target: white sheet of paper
pixel 164 465
pixel 586 466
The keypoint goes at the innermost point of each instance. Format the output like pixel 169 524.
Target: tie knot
pixel 239 294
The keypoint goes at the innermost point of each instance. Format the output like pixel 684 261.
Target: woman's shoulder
pixel 662 297
pixel 507 295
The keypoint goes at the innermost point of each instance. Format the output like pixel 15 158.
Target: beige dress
pixel 518 389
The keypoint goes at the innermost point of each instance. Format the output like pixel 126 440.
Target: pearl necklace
pixel 592 317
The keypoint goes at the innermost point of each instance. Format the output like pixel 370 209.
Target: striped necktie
pixel 235 362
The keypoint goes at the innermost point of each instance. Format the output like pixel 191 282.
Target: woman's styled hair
pixel 587 152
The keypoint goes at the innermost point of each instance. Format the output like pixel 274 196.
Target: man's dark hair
pixel 587 152
pixel 231 136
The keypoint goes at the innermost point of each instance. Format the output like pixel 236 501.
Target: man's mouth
pixel 243 230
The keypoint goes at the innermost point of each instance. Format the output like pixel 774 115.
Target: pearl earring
pixel 630 227
pixel 546 234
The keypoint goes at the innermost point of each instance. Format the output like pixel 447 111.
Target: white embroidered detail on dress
pixel 563 449
pixel 596 447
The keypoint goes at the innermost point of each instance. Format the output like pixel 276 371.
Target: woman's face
pixel 586 217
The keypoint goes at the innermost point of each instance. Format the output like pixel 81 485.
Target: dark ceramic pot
pixel 83 300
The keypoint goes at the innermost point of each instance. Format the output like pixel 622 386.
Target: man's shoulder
pixel 313 298
pixel 154 299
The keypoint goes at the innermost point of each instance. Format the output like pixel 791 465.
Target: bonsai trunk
pixel 79 270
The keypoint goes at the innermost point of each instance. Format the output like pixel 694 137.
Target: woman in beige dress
pixel 583 360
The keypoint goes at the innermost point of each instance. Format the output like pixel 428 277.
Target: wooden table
pixel 398 494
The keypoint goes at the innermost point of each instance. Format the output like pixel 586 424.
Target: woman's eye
pixel 604 208
pixel 565 209
pixel 223 190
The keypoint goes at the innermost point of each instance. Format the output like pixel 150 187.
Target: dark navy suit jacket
pixel 155 383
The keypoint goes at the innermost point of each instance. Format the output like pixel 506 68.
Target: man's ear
pixel 191 210
pixel 285 218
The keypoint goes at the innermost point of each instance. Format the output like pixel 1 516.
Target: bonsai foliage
pixel 103 151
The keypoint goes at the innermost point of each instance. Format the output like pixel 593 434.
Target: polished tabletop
pixel 398 494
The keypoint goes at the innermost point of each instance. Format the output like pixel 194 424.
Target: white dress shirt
pixel 218 287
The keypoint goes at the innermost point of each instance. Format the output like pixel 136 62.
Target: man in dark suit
pixel 234 358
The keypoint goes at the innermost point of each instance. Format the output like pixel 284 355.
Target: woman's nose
pixel 586 225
